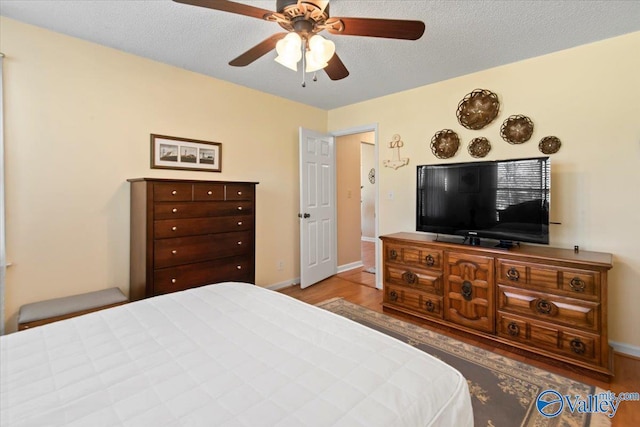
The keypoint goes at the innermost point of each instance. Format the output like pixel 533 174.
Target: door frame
pixel 378 245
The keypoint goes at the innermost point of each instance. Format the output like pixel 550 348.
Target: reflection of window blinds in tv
pixel 522 181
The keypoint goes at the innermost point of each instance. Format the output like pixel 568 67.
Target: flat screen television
pixel 504 200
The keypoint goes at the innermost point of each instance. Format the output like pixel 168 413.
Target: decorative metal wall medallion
pixel 479 147
pixel 516 129
pixel 445 143
pixel 477 109
pixel 549 145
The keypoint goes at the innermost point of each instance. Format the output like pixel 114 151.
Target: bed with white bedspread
pixel 228 354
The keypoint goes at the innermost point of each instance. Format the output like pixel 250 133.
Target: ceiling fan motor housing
pixel 281 5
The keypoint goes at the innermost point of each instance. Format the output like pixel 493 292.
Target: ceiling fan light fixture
pixel 289 51
pixel 319 53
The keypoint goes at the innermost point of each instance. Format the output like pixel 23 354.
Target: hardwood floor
pixel 627 368
pixel 361 275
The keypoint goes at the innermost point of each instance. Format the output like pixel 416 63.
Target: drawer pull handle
pixel 409 277
pixel 174 210
pixel 393 296
pixel 239 222
pixel 577 346
pixel 429 259
pixel 239 208
pixel 544 306
pixel 173 280
pixel 513 274
pixel 209 192
pixel 466 290
pixel 239 193
pixel 513 329
pixel 239 243
pixel 393 254
pixel 174 192
pixel 239 267
pixel 174 228
pixel 174 252
pixel 430 306
pixel 577 284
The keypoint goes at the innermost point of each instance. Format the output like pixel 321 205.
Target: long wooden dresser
pixel 188 233
pixel 547 301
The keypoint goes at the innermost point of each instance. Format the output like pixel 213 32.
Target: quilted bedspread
pixel 229 354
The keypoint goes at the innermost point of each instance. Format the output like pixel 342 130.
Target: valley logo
pixel 551 403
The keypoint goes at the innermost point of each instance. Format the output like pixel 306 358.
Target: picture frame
pixel 172 152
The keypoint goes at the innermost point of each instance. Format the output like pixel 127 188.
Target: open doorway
pixel 356 189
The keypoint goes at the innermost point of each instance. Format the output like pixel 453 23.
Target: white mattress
pixel 222 355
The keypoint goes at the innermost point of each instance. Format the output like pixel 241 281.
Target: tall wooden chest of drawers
pixel 548 301
pixel 187 233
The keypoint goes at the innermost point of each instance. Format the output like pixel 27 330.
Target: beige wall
pixel 77 123
pixel 588 97
pixel 348 198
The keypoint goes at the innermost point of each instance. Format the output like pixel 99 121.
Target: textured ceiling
pixel 461 37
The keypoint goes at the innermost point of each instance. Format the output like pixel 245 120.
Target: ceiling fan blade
pixel 262 48
pixel 229 6
pixel 336 69
pixel 385 28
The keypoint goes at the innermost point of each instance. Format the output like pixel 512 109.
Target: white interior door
pixel 318 247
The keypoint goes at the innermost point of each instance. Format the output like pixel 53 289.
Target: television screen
pixel 505 200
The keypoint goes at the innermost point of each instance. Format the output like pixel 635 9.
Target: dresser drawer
pixel 414 256
pixel 172 279
pixel 172 191
pixel 421 279
pixel 578 283
pixel 551 308
pixel 204 192
pixel 239 192
pixel 418 301
pixel 186 250
pixel 549 337
pixel 168 228
pixel 201 209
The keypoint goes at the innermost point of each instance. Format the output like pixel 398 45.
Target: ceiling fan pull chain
pixel 315 77
pixel 304 64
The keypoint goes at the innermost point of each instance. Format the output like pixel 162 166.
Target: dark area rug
pixel 504 391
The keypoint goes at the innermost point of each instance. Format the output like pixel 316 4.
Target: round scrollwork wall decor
pixel 477 109
pixel 516 129
pixel 549 144
pixel 445 143
pixel 479 147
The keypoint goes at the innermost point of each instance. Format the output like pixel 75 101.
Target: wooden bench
pixel 43 312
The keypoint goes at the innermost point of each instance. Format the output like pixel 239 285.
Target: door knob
pixel 305 215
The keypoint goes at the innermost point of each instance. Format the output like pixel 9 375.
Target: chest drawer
pixel 172 191
pixel 201 209
pixel 183 277
pixel 421 279
pixel 168 228
pixel 208 192
pixel 573 282
pixel 550 337
pixel 551 308
pixel 186 250
pixel 414 256
pixel 239 192
pixel 413 299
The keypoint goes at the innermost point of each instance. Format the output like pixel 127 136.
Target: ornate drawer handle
pixel 174 192
pixel 513 329
pixel 466 290
pixel 393 296
pixel 393 254
pixel 174 210
pixel 513 274
pixel 429 260
pixel 577 284
pixel 577 346
pixel 430 306
pixel 409 277
pixel 173 280
pixel 544 306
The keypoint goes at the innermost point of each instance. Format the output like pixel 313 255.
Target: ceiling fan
pixel 303 20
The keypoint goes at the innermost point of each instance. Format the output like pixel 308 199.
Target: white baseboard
pixel 368 239
pixel 628 349
pixel 351 266
pixel 285 284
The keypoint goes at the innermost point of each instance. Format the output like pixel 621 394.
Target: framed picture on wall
pixel 171 152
